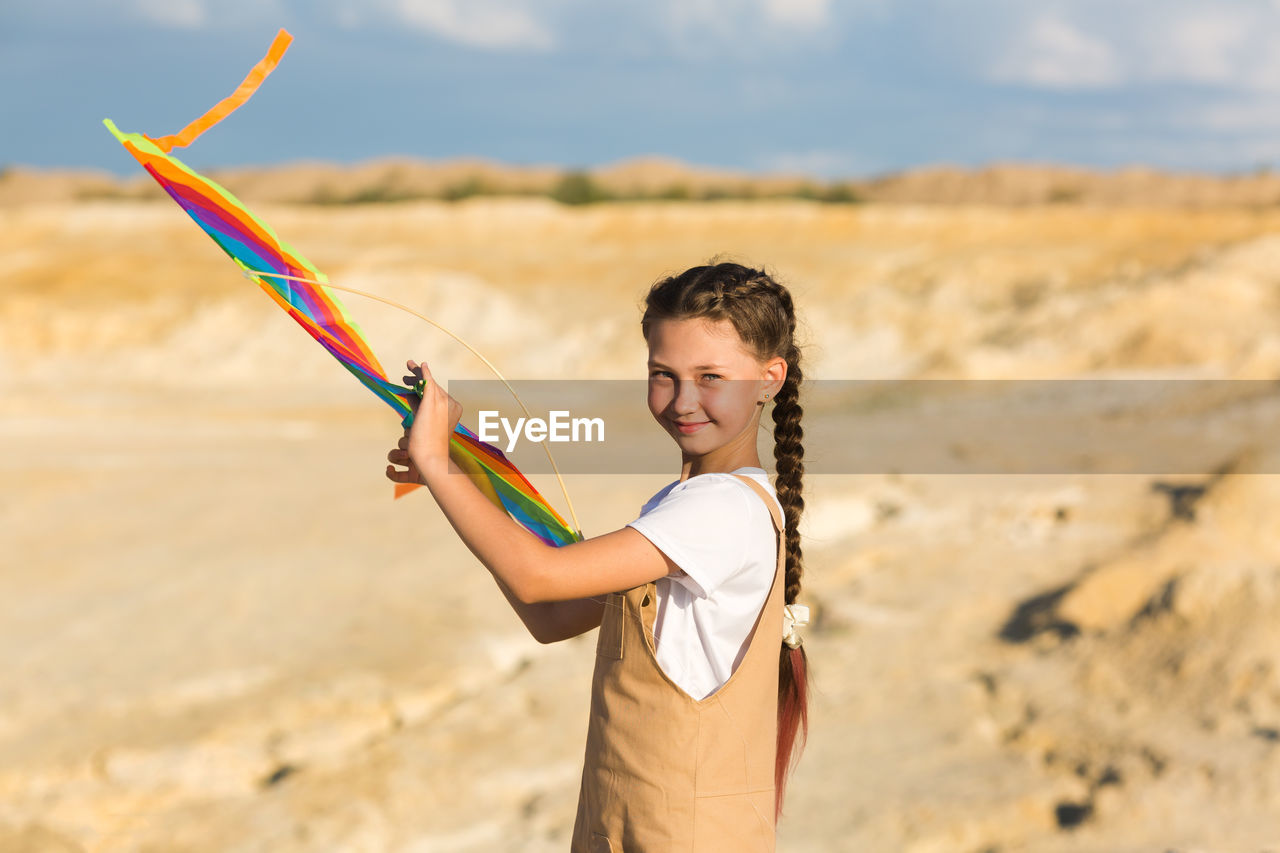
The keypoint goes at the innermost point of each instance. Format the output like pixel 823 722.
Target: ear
pixel 775 374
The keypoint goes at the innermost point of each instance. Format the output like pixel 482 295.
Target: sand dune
pixel 392 179
pixel 221 634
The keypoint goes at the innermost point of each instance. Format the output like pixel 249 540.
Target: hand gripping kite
pixel 305 295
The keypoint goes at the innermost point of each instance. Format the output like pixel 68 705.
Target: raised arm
pixel 547 621
pixel 557 592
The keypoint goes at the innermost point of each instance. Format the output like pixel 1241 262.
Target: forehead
pixel 696 343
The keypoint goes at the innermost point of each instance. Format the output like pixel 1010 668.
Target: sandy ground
pixel 218 631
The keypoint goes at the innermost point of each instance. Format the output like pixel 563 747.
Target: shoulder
pixel 722 495
pixel 709 526
pixel 725 482
pixel 717 499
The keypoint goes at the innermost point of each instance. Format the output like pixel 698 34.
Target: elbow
pixel 547 638
pixel 533 583
pixel 530 593
pixel 542 623
pixel 529 588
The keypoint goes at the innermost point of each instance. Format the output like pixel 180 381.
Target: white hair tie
pixel 794 616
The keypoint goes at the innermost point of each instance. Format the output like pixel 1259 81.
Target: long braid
pixel 788 454
pixel 793 664
pixel 763 314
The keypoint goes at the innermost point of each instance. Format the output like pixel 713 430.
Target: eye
pixel 658 373
pixel 712 375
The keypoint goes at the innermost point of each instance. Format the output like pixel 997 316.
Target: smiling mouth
pixel 690 426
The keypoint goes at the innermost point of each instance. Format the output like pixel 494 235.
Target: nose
pixel 686 400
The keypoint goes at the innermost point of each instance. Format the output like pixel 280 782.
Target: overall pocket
pixel 741 822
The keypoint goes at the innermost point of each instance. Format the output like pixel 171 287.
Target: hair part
pixel 763 314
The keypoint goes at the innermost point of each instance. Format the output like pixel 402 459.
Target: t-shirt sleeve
pixel 702 526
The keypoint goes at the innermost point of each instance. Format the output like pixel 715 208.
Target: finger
pixel 399 457
pixel 403 443
pixel 407 476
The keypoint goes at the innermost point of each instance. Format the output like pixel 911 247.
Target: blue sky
pixel 829 87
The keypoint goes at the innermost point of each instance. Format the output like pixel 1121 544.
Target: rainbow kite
pixel 299 289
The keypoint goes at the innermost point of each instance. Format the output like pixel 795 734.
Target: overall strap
pixel 769 502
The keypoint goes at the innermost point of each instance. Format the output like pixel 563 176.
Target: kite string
pixel 391 302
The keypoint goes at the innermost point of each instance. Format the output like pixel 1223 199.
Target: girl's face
pixel 704 387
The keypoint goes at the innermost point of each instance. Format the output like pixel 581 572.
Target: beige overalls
pixel 667 772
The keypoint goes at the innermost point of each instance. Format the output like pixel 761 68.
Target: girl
pixel 694 709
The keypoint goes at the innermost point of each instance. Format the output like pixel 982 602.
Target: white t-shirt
pixel 718 531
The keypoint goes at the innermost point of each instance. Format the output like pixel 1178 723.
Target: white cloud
pixel 1203 44
pixel 1266 75
pixel 479 23
pixel 206 14
pixel 1235 47
pixel 1108 45
pixel 746 23
pixel 1054 53
pixel 799 14
pixel 178 14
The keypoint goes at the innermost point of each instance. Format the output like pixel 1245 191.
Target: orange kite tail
pixel 232 102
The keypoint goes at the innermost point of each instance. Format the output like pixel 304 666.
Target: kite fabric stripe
pixel 258 252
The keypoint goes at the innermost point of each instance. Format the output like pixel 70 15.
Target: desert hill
pixel 218 632
pixel 401 179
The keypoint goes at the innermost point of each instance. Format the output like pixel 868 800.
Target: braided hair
pixel 762 312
